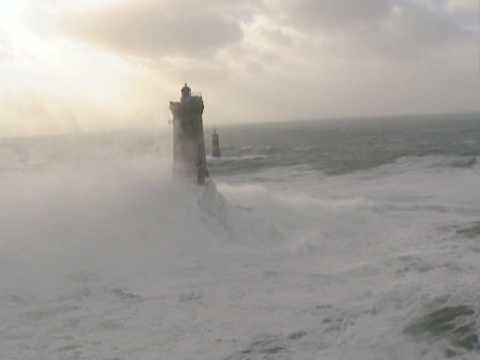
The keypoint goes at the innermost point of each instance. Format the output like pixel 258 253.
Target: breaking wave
pixel 104 255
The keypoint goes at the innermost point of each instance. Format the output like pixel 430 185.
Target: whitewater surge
pixel 104 256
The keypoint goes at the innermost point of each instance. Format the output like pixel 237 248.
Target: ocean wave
pixel 304 148
pixel 297 264
pixel 250 157
pixel 422 164
pixel 437 161
pixel 246 148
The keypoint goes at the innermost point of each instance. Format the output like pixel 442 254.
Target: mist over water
pixel 341 241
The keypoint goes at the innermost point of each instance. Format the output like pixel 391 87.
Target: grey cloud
pixel 385 28
pixel 320 14
pixel 199 29
pixel 468 17
pixel 302 58
pixel 418 28
pixel 277 37
pixel 155 28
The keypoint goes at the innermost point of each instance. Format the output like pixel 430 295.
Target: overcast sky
pixel 79 65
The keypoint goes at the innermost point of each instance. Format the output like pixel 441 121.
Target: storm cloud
pixel 330 14
pixel 200 29
pixel 260 60
pixel 160 28
pixel 386 27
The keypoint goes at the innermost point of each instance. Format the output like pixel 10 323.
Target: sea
pixel 335 239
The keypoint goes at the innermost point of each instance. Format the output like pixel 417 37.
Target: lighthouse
pixel 189 158
pixel 216 152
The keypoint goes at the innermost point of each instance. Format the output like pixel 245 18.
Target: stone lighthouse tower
pixel 189 158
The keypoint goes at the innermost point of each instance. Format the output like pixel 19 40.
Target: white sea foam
pixel 111 258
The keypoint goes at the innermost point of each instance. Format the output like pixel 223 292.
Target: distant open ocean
pixel 347 239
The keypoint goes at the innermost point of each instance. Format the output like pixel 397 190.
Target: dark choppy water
pixel 345 146
pixel 335 147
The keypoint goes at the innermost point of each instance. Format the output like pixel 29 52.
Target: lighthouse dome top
pixel 186 91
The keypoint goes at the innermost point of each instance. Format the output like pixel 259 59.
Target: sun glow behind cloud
pixel 51 83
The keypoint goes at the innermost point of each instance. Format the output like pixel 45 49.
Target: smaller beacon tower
pixel 189 158
pixel 216 152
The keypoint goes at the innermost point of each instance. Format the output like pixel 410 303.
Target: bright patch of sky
pixel 102 64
